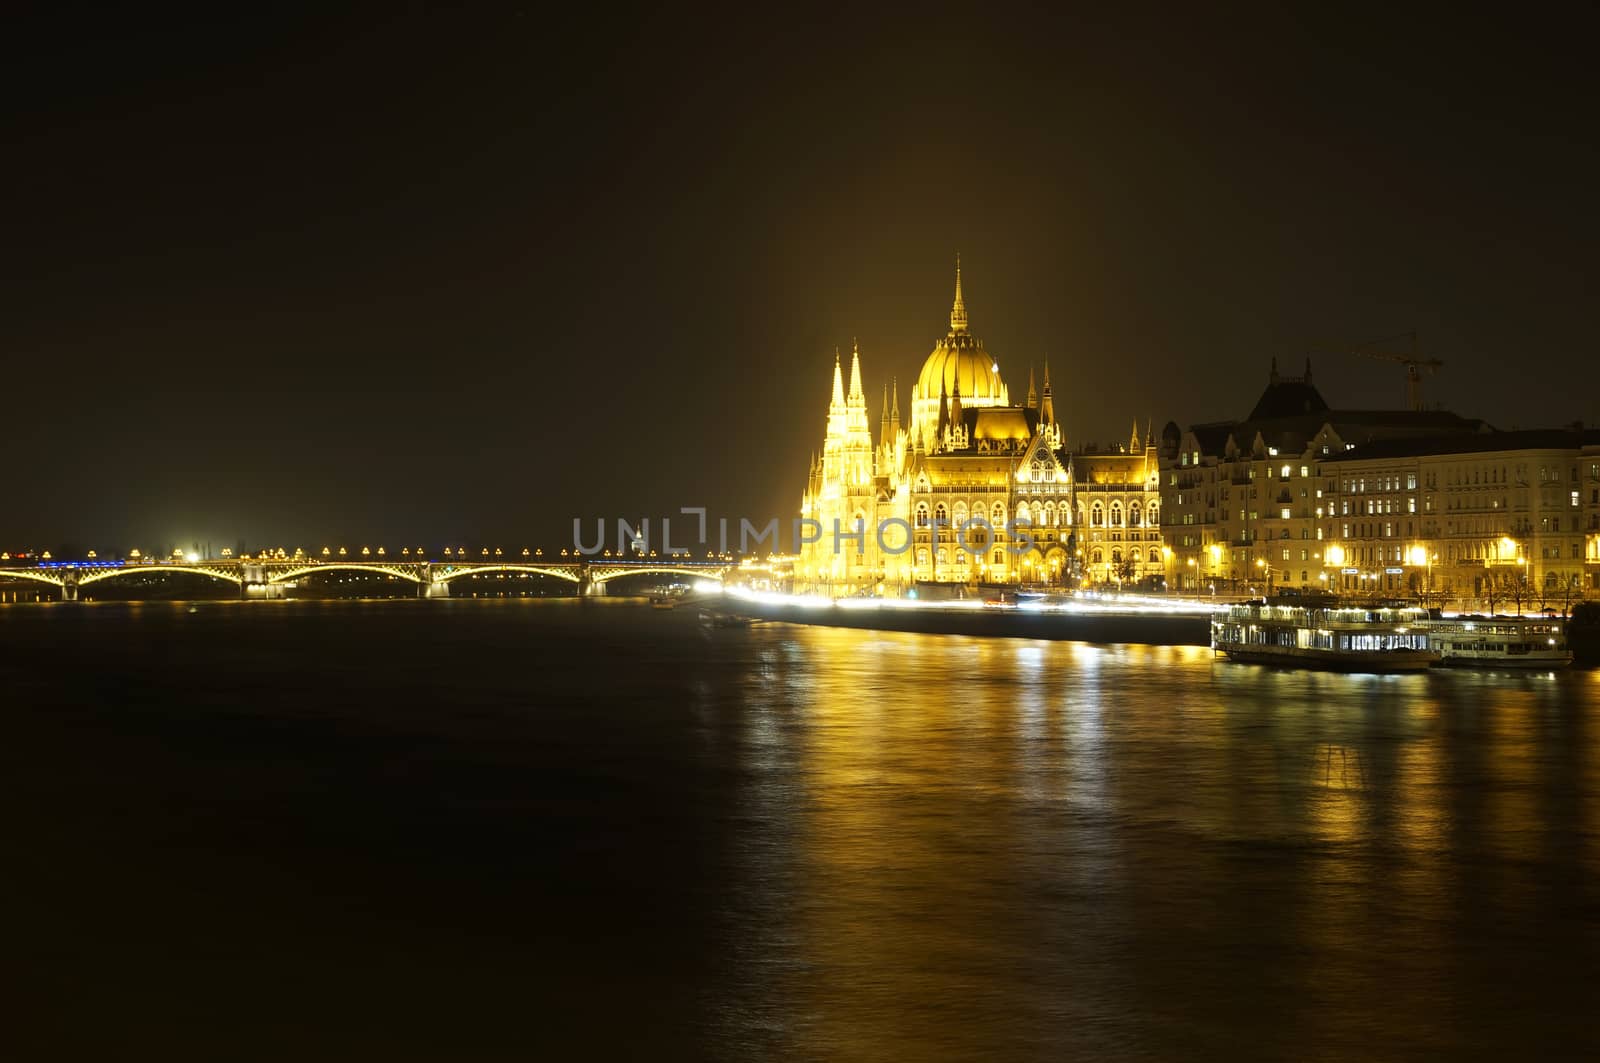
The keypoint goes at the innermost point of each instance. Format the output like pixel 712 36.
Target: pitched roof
pixel 1479 443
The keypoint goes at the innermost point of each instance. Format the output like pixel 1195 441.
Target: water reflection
pixel 1039 850
pixel 784 842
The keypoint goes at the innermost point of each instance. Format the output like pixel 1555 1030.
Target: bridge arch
pixel 30 574
pixel 97 575
pixel 445 575
pixel 655 570
pixel 312 568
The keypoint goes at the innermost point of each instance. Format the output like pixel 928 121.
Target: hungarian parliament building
pixel 976 489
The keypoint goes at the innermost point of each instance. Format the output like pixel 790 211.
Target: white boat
pixel 1501 642
pixel 1345 640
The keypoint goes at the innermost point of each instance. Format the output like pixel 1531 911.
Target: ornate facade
pixel 1247 502
pixel 974 489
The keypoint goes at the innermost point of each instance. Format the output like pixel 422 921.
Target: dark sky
pixel 462 276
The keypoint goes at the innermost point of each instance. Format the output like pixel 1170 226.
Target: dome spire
pixel 958 310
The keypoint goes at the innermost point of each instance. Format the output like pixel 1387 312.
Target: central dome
pixel 959 365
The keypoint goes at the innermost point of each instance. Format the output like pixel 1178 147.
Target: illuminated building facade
pixel 974 489
pixel 1478 520
pixel 1245 504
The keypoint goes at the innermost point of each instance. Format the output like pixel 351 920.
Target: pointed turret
pixel 1047 410
pixel 1308 369
pixel 884 420
pixel 856 394
pixel 1033 395
pixel 1133 442
pixel 894 411
pixel 838 380
pixel 955 404
pixel 958 310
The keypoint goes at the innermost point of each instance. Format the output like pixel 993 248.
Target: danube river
pixel 566 830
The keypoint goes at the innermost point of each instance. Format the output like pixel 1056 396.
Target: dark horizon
pixel 460 278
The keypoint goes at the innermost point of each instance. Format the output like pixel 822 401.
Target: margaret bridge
pixel 273 577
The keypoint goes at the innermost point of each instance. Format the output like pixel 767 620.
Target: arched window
pixel 1133 515
pixel 999 512
pixel 1096 516
pixel 1154 514
pixel 922 520
pixel 1022 513
pixel 1035 515
pixel 1116 514
pixel 960 511
pixel 944 556
pixel 1050 514
pixel 1116 555
pixel 941 514
pixel 1155 556
pixel 1097 557
pixel 922 557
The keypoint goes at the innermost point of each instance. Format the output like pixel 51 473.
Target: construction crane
pixel 1414 364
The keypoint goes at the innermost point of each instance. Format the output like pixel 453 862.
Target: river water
pixel 554 829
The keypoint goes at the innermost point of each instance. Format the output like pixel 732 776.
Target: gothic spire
pixel 1133 442
pixel 838 380
pixel 1047 409
pixel 1033 395
pixel 856 394
pixel 958 311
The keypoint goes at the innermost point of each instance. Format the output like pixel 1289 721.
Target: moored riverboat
pixel 1336 639
pixel 1500 642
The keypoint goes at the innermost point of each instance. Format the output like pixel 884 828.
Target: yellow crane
pixel 1413 362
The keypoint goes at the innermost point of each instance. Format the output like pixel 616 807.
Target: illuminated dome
pixel 959 365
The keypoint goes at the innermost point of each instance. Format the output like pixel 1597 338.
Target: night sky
pixel 458 277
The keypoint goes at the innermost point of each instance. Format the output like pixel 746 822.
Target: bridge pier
pixel 437 588
pixel 69 588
